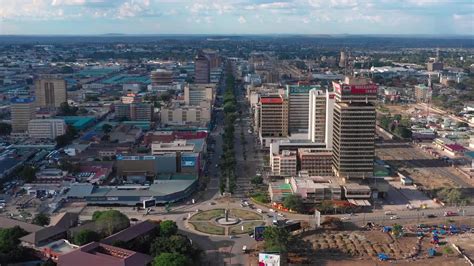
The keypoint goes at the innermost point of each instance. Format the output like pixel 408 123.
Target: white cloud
pixel 242 20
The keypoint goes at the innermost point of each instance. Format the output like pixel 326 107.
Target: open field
pixel 207 215
pixel 208 228
pixel 245 215
pixel 248 227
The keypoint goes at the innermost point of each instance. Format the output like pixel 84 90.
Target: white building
pixel 46 128
pixel 321 113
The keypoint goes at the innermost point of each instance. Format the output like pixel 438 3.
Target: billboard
pixel 188 161
pixel 149 203
pixel 344 89
pixel 258 233
pixel 268 259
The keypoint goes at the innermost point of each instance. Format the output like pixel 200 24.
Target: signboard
pixel 317 217
pixel 258 233
pixel 22 100
pixel 149 203
pixel 188 161
pixel 267 259
pixel 344 89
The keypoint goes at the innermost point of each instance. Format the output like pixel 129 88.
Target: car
pixel 280 214
pixel 431 216
pixel 389 213
pixel 271 210
pixel 345 218
pixel 450 213
pixel 259 211
pixel 394 217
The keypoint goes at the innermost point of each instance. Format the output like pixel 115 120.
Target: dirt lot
pixel 362 247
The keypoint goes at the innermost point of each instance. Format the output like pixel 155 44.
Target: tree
pixel 174 244
pixel 403 132
pixel 293 202
pixel 276 239
pixel 168 228
pixel 326 206
pixel 41 219
pixel 28 173
pixel 111 221
pixel 10 238
pixel 257 180
pixel 5 129
pixel 462 124
pixel 385 122
pixel 106 128
pixel 85 236
pixel 66 109
pixel 171 259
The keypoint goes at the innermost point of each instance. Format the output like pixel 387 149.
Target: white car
pixel 280 214
pixel 394 217
pixel 259 211
pixel 346 218
pixel 271 210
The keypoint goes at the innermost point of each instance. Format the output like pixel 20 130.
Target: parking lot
pixel 400 197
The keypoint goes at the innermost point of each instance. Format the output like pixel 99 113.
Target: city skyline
pixel 83 17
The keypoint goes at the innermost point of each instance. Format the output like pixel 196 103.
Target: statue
pixel 226 212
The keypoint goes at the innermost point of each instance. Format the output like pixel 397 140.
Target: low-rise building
pixel 96 253
pixel 46 128
pixel 313 189
pixel 318 162
pixel 185 115
pixel 284 164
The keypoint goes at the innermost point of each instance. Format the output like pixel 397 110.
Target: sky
pixel 78 17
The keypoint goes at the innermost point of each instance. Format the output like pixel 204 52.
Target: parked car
pixel 394 217
pixel 431 216
pixel 450 213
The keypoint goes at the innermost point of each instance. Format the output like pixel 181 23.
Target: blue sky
pixel 237 16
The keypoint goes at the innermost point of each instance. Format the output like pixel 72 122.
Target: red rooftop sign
pixel 276 100
pixel 344 89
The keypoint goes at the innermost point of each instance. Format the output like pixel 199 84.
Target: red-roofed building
pixel 272 113
pixel 104 255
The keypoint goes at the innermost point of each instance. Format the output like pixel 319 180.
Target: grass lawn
pixel 248 227
pixel 245 215
pixel 207 215
pixel 207 227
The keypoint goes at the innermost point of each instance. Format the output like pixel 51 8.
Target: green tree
pixel 462 124
pixel 385 122
pixel 174 244
pixel 171 259
pixel 168 228
pixel 106 128
pixel 276 239
pixel 326 206
pixel 257 180
pixel 28 173
pixel 403 132
pixel 41 219
pixel 5 129
pixel 85 236
pixel 111 221
pixel 66 109
pixel 294 202
pixel 10 237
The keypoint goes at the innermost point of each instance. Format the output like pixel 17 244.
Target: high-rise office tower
pixel 298 104
pixel 343 59
pixel 273 116
pixel 321 113
pixel 22 111
pixel 50 92
pixel 202 69
pixel 354 128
